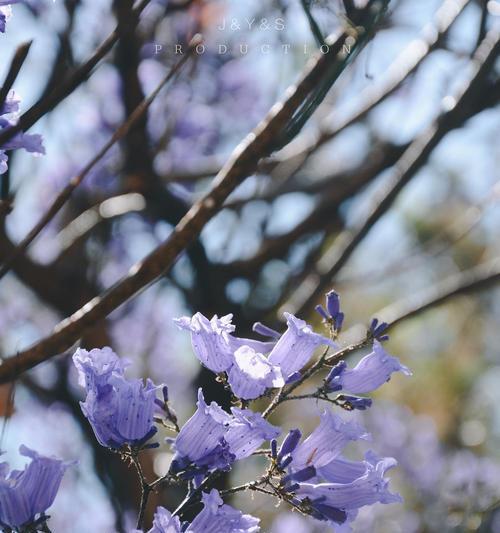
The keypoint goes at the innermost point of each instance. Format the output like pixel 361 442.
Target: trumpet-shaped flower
pixel 120 411
pixel 369 374
pixel 213 343
pixel 369 488
pixel 296 346
pixel 326 442
pixel 212 438
pixel 26 494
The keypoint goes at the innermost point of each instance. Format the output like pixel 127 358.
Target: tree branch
pixel 242 163
pixel 410 163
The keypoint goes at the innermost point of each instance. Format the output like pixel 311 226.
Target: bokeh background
pixel 256 257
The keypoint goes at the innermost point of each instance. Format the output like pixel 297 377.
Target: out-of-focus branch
pixel 450 233
pixel 15 66
pixel 325 215
pixel 411 161
pixel 66 87
pixel 66 193
pixel 399 71
pixel 106 210
pixel 242 163
pixel 475 279
pixel 298 151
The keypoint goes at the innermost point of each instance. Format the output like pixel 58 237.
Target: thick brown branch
pixel 242 163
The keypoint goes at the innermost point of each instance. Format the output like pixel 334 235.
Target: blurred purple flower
pixel 27 494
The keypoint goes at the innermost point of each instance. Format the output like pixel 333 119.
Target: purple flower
pixel 4 15
pixel 210 339
pixel 252 374
pixel 164 522
pixel 27 494
pixel 342 470
pixel 201 436
pixel 289 444
pixel 217 517
pixel 96 367
pixel 120 411
pixel 369 488
pixel 213 343
pixel 369 374
pixel 247 431
pixel 213 439
pixel 333 314
pixel 326 442
pixel 30 142
pixel 296 346
pixel 5 12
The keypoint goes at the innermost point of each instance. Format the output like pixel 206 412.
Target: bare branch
pixel 15 66
pixel 411 161
pixel 66 193
pixel 64 89
pixel 475 279
pixel 242 163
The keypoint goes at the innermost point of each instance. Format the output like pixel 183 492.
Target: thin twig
pixel 407 167
pixel 15 66
pixel 66 87
pixel 472 280
pixel 66 193
pixel 145 489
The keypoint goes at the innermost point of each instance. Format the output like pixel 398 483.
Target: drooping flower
pixel 121 411
pixel 251 374
pixel 213 439
pixel 200 440
pixel 30 142
pixel 369 488
pixel 26 494
pixel 218 517
pixel 326 442
pixel 213 343
pixel 247 431
pixel 369 374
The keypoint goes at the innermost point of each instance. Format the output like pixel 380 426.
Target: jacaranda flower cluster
pixel 308 472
